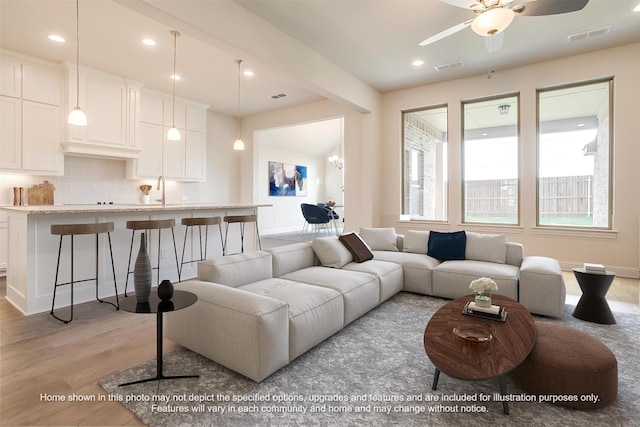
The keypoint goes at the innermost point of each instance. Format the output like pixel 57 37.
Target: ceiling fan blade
pixel 549 7
pixel 446 33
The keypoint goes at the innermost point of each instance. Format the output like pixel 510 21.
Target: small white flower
pixel 483 284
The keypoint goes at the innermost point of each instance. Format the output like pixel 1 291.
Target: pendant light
pixel 174 134
pixel 238 145
pixel 77 116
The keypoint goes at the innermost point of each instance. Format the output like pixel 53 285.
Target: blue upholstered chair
pixel 316 216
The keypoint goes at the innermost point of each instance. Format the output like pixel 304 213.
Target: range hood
pixel 84 149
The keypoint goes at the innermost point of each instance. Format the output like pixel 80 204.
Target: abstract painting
pixel 287 180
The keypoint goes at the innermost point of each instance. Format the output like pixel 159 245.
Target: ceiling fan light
pixel 77 117
pixel 173 134
pixel 238 145
pixel 493 21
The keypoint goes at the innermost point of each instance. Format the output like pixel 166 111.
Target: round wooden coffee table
pixel 459 358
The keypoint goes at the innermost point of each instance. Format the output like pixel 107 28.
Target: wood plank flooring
pixel 41 356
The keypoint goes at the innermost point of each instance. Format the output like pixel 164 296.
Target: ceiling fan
pixel 494 16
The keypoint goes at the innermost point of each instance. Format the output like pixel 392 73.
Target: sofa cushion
pixel 486 247
pixel 315 312
pixel 451 279
pixel 416 241
pixel 331 252
pixel 292 257
pixel 416 269
pixel 447 246
pixel 380 239
pixel 236 270
pixel 360 291
pixel 389 275
pixel 358 248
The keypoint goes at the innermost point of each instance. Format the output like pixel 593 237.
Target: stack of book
pixel 594 268
pixel 494 312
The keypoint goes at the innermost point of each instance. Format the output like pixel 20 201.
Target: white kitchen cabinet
pixel 183 160
pixel 10 77
pixel 41 134
pixel 110 103
pixel 173 157
pixel 10 133
pixel 41 84
pixel 195 155
pixel 149 164
pixel 3 243
pixel 31 118
pixel 181 113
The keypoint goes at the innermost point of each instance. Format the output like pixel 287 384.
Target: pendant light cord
pixel 173 118
pixel 239 62
pixel 77 53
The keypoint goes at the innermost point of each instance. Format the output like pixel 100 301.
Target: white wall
pixel 617 249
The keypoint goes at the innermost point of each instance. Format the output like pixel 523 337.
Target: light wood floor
pixel 40 356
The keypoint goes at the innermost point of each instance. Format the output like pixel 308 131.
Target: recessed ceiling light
pixel 417 62
pixel 636 8
pixel 148 42
pixel 175 77
pixel 56 38
pixel 248 73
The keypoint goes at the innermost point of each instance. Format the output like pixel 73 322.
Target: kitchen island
pixel 33 250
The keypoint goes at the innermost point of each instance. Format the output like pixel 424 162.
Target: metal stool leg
pixel 56 285
pixel 117 304
pixel 184 246
pixel 126 282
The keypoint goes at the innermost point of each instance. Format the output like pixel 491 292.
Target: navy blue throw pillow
pixel 447 246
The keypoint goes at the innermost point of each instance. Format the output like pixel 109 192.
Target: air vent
pixel 278 96
pixel 449 66
pixel 588 34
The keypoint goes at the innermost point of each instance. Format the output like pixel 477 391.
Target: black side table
pixel 180 300
pixel 593 306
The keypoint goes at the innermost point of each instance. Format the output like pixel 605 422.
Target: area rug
pixel 374 372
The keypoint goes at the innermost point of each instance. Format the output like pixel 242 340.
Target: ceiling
pixel 374 40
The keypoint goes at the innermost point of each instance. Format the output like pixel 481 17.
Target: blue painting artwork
pixel 301 180
pixel 289 181
pixel 275 179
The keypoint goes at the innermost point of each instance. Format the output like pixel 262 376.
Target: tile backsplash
pixel 92 180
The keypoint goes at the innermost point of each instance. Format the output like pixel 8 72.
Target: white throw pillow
pixel 331 252
pixel 380 239
pixel 486 247
pixel 416 242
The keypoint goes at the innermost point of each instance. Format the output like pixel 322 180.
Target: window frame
pixel 403 161
pixel 609 227
pixel 518 222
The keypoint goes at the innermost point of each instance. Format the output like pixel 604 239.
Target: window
pixel 490 161
pixel 425 163
pixel 574 152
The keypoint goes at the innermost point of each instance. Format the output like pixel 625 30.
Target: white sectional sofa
pixel 258 311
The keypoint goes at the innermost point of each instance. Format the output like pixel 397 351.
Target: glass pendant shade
pixel 493 21
pixel 77 117
pixel 238 145
pixel 173 134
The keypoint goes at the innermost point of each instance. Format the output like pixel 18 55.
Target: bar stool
pixel 242 220
pixel 146 225
pixel 79 229
pixel 199 222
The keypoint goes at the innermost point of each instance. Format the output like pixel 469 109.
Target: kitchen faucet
pixel 164 198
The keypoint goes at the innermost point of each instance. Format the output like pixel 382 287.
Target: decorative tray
pixel 473 334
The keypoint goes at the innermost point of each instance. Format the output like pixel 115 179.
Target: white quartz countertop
pixel 133 207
